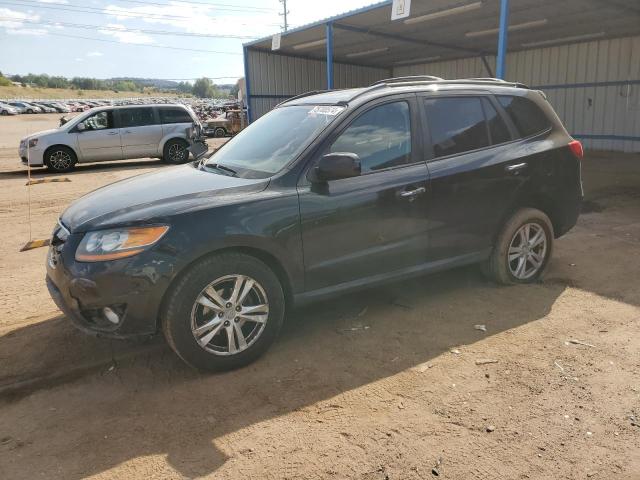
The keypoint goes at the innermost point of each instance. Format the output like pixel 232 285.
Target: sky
pixel 119 38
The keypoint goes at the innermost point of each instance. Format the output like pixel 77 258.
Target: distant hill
pixel 168 84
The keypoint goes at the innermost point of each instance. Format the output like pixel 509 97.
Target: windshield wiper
pixel 221 167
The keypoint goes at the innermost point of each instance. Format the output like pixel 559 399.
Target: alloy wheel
pixel 60 160
pixel 229 315
pixel 176 153
pixel 527 251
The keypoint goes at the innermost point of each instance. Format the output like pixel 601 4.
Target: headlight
pixel 33 142
pixel 117 243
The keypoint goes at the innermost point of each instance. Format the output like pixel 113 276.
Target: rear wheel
pixel 175 152
pixel 224 312
pixel 523 248
pixel 60 159
pixel 219 132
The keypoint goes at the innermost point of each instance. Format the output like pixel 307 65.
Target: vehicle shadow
pixel 83 168
pixel 154 404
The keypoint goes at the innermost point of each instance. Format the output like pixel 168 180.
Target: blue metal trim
pixel 613 83
pixel 247 85
pixel 503 37
pixel 329 30
pixel 588 136
pixel 357 11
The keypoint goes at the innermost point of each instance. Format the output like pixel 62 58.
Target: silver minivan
pixel 115 133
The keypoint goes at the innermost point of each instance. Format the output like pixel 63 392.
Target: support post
pixel 247 89
pixel 503 35
pixel 329 56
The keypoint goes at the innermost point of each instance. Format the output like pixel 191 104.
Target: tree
pixel 203 88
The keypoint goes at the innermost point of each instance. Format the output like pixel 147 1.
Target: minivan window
pixel 498 130
pixel 456 125
pixel 381 137
pixel 526 115
pixel 267 145
pixel 174 115
pixel 99 121
pixel 136 117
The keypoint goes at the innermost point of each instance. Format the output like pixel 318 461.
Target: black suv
pixel 327 193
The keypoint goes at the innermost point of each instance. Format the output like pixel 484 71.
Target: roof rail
pixel 411 78
pixel 419 80
pixel 488 79
pixel 302 95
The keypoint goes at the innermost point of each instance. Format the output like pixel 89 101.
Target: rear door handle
pixel 413 193
pixel 112 133
pixel 515 168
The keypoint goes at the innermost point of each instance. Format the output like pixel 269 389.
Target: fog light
pixel 111 315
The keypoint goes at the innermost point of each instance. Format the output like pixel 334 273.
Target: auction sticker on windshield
pixel 326 110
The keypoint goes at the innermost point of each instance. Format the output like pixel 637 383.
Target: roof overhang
pixel 440 30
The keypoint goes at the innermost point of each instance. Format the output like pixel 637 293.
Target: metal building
pixel 584 54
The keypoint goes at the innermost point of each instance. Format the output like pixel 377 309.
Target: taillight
pixel 576 148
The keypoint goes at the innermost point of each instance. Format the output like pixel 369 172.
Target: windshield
pixel 275 139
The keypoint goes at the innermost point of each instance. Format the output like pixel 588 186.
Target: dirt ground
pixel 389 383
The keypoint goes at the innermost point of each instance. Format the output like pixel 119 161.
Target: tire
pixel 527 262
pixel 4 112
pixel 29 110
pixel 175 152
pixel 219 132
pixel 184 311
pixel 60 159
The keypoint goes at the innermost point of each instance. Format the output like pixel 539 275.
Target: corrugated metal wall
pixel 603 116
pixel 273 78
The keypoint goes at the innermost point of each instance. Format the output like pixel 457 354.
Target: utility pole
pixel 284 14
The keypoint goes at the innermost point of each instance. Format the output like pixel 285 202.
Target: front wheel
pixel 219 132
pixel 224 312
pixel 175 152
pixel 60 159
pixel 523 248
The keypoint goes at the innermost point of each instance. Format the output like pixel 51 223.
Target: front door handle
pixel 413 193
pixel 515 168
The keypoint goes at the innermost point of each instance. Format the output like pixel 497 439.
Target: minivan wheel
pixel 175 152
pixel 60 159
pixel 523 248
pixel 219 132
pixel 224 312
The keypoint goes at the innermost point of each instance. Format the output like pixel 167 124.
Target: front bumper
pixel 35 155
pixel 131 287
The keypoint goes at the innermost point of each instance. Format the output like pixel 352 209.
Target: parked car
pixel 325 194
pixel 6 109
pixel 229 123
pixel 26 107
pixel 113 133
pixel 57 107
pixel 44 107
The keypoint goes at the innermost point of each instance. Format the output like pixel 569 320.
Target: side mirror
pixel 81 127
pixel 334 166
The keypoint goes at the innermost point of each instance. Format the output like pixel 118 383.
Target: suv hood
pixel 156 196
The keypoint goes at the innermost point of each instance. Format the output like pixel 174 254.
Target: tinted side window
pixel 456 124
pixel 498 130
pixel 526 115
pixel 381 137
pixel 136 117
pixel 100 121
pixel 174 115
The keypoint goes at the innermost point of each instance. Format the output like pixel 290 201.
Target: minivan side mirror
pixel 81 127
pixel 334 166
